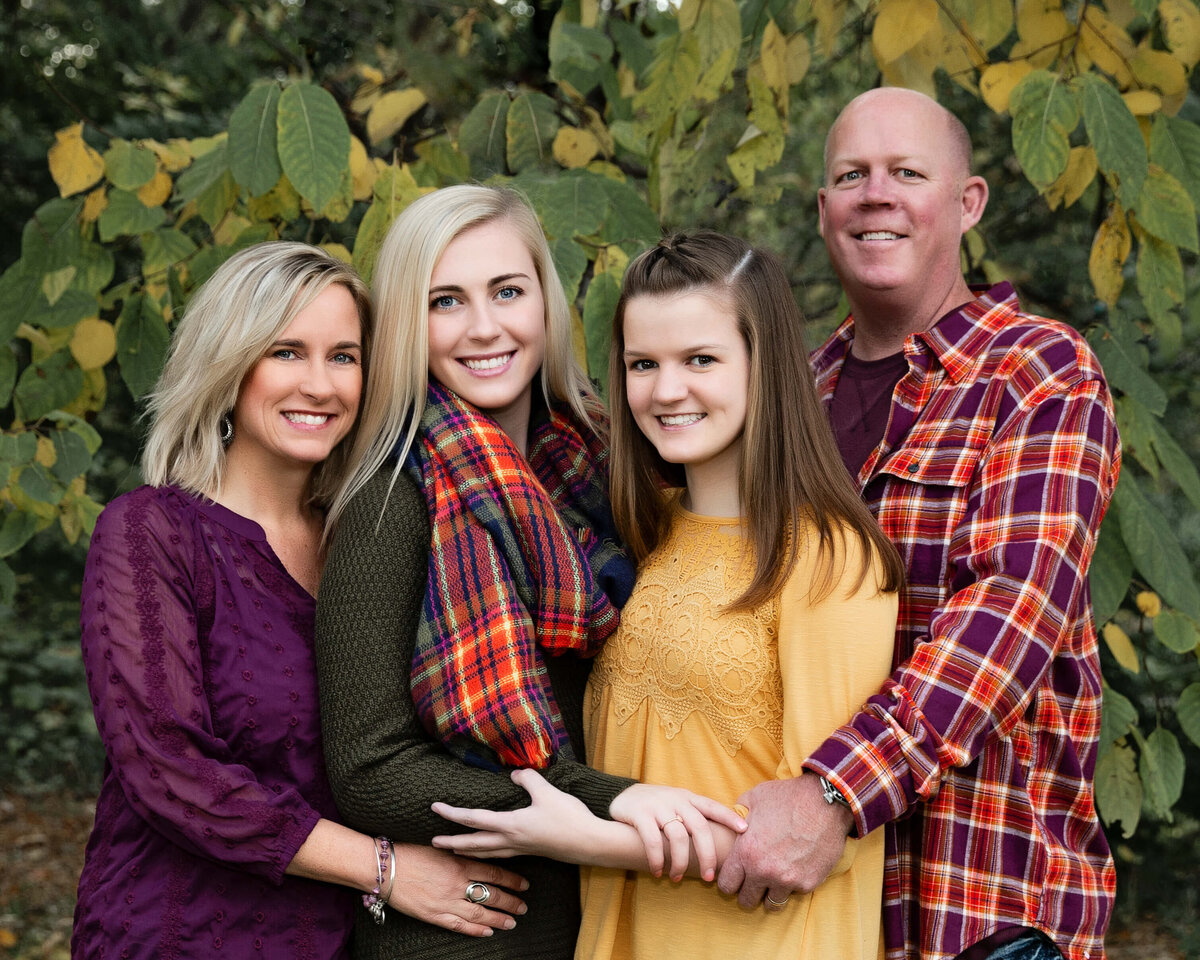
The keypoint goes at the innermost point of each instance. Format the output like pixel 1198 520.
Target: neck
pixel 712 489
pixel 269 494
pixel 883 322
pixel 514 421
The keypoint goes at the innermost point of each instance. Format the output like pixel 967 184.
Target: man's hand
pixel 794 840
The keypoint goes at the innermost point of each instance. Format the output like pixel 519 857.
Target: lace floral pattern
pixel 676 648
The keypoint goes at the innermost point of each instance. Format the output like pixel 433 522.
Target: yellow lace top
pixel 717 702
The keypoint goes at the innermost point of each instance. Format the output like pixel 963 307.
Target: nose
pixel 482 325
pixel 877 190
pixel 669 386
pixel 317 384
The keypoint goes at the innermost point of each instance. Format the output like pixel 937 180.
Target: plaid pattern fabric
pixel 997 465
pixel 524 561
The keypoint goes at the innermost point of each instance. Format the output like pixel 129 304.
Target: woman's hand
pixel 555 825
pixel 683 817
pixel 431 885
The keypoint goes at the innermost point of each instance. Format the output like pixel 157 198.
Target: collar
pixel 958 340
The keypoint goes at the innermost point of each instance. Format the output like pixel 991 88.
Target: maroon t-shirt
pixel 862 400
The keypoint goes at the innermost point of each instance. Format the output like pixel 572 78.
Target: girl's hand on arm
pixel 430 885
pixel 684 818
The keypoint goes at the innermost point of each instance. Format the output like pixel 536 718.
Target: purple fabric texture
pixel 199 657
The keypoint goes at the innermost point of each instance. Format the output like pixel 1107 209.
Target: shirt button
pixel 912 468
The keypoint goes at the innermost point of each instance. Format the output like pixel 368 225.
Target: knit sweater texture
pixel 386 769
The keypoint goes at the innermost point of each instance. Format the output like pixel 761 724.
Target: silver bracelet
pixel 833 795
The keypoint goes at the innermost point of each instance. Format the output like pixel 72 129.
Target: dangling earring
pixel 226 429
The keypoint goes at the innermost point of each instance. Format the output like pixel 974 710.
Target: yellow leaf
pixel 612 259
pixel 8 939
pixel 391 112
pixel 55 284
pixel 371 74
pixel 626 80
pixel 574 148
pixel 73 164
pixel 174 155
pixel 338 250
pixel 604 137
pixel 1043 29
pixel 799 58
pixel 94 343
pixel 900 25
pixel 1148 602
pixel 914 69
pixel 46 454
pixel 365 97
pixel 157 191
pixel 578 337
pixel 229 229
pixel 1121 647
pixel 606 169
pixel 1069 187
pixel 1160 70
pixel 1142 103
pixel 589 13
pixel 1108 46
pixel 830 15
pixel 94 204
pixel 997 82
pixel 1181 28
pixel 774 58
pixel 362 170
pixel 990 21
pixel 1110 250
pixel 1120 12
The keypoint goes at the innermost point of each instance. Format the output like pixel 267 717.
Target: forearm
pixel 336 854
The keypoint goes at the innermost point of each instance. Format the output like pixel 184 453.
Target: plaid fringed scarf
pixel 524 561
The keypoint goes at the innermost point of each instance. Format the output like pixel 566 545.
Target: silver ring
pixel 778 903
pixel 478 892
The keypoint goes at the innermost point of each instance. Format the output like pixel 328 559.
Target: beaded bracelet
pixel 384 860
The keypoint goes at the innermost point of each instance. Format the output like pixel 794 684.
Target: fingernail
pixel 524 884
pixel 488 932
pixel 509 923
pixel 522 910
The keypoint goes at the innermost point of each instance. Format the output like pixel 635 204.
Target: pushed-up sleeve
pixel 145 672
pixel 385 768
pixel 1021 552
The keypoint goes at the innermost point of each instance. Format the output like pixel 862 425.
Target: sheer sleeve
pixel 384 767
pixel 143 652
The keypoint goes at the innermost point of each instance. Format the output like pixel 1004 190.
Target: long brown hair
pixel 790 467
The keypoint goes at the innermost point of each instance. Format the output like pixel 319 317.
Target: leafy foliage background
pixel 147 140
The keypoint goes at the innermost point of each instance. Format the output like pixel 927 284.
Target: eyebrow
pixel 687 351
pixel 455 288
pixel 342 345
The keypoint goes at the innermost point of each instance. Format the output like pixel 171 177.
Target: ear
pixel 821 211
pixel 974 200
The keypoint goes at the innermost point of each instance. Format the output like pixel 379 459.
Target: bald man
pixel 984 441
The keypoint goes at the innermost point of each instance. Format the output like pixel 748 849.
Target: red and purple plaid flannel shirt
pixel 997 465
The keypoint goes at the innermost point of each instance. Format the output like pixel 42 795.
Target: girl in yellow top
pixel 762 618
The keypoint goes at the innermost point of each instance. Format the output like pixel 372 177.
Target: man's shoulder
pixel 1025 343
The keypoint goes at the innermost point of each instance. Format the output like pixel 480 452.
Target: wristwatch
pixel 832 794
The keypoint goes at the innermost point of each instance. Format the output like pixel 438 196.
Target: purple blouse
pixel 199 657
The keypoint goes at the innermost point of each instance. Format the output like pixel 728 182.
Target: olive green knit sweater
pixel 384 767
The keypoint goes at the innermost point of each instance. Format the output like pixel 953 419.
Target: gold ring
pixel 672 820
pixel 778 903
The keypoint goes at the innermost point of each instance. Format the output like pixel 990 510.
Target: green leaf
pixel 8 377
pixel 254 140
pixel 37 484
pixel 202 174
pixel 1116 137
pixel 1161 765
pixel 451 165
pixel 1175 146
pixel 126 214
pixel 1178 464
pixel 1165 209
pixel 598 308
pixel 1124 371
pixel 51 239
pixel 1044 110
pixel 670 82
pixel 48 385
pixel 94 268
pixel 570 262
pixel 483 135
pixel 579 55
pixel 18 527
pixel 634 47
pixel 1118 789
pixel 1159 278
pixel 77 425
pixel 1187 710
pixel 20 289
pixel 1111 570
pixel 630 223
pixel 16 450
pixel 1145 7
pixel 73 456
pixel 164 247
pixel 716 24
pixel 142 339
pixel 575 206
pixel 530 131
pixel 1176 632
pixel 1117 715
pixel 70 308
pixel 128 165
pixel 314 142
pixel 217 199
pixel 1154 547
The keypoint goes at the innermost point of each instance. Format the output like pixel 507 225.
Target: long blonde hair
pixel 790 466
pixel 228 326
pixel 395 396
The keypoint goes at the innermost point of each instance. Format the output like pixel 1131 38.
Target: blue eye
pixel 508 293
pixel 443 302
pixel 345 358
pixel 284 353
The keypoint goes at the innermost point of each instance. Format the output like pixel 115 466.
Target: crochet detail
pixel 677 649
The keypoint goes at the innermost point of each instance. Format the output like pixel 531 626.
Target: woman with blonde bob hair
pixel 215 820
pixel 474 569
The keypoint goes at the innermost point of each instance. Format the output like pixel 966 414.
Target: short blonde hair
pixel 228 326
pixel 395 396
